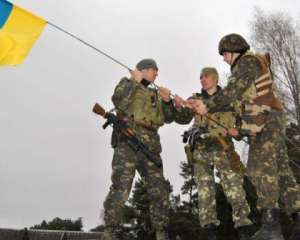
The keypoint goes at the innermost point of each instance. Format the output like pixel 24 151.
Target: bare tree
pixel 278 34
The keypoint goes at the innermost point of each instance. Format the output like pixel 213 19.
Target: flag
pixel 19 30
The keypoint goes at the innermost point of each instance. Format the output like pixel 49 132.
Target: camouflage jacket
pixel 141 106
pixel 225 117
pixel 241 93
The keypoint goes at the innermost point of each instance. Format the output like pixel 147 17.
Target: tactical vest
pixel 227 119
pixel 146 108
pixel 259 99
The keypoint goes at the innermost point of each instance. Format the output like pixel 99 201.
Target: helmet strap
pixel 231 58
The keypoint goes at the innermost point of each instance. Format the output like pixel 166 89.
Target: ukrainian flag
pixel 19 30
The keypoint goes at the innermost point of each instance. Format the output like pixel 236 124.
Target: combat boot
pixel 270 226
pixel 244 232
pixel 296 230
pixel 162 235
pixel 211 232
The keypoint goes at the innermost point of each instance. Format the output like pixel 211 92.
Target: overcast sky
pixel 54 157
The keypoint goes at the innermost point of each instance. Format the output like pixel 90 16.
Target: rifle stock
pixel 99 110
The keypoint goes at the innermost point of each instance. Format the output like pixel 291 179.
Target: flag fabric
pixel 19 30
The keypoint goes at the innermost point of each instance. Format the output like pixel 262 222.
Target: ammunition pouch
pixel 115 138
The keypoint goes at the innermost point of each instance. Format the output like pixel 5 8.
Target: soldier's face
pixel 150 74
pixel 227 57
pixel 230 57
pixel 208 81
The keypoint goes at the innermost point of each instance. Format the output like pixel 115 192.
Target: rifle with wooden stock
pixel 121 127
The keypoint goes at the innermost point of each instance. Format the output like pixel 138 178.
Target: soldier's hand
pixel 165 94
pixel 200 108
pixel 179 102
pixel 233 132
pixel 190 103
pixel 136 75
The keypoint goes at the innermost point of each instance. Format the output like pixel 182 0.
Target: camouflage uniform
pixel 268 165
pixel 210 153
pixel 141 107
pixel 253 95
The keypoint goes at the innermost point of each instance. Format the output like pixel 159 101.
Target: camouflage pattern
pixel 135 101
pixel 268 162
pixel 209 154
pixel 232 183
pixel 241 93
pixel 125 163
pixel 258 100
pixel 225 117
pixel 233 43
pixel 244 73
pixel 268 168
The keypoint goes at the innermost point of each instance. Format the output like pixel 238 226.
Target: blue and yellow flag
pixel 19 30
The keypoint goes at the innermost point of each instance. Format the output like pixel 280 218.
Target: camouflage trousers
pixel 232 184
pixel 269 170
pixel 125 163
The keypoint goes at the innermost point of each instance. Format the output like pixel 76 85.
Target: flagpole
pixel 89 45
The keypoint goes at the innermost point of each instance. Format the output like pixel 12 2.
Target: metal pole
pixel 89 45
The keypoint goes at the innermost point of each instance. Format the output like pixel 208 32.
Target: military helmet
pixel 233 43
pixel 210 71
pixel 146 63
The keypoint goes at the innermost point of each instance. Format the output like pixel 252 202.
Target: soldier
pixel 252 92
pixel 211 147
pixel 141 107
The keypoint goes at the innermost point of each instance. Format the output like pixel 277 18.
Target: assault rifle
pixel 194 134
pixel 121 127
